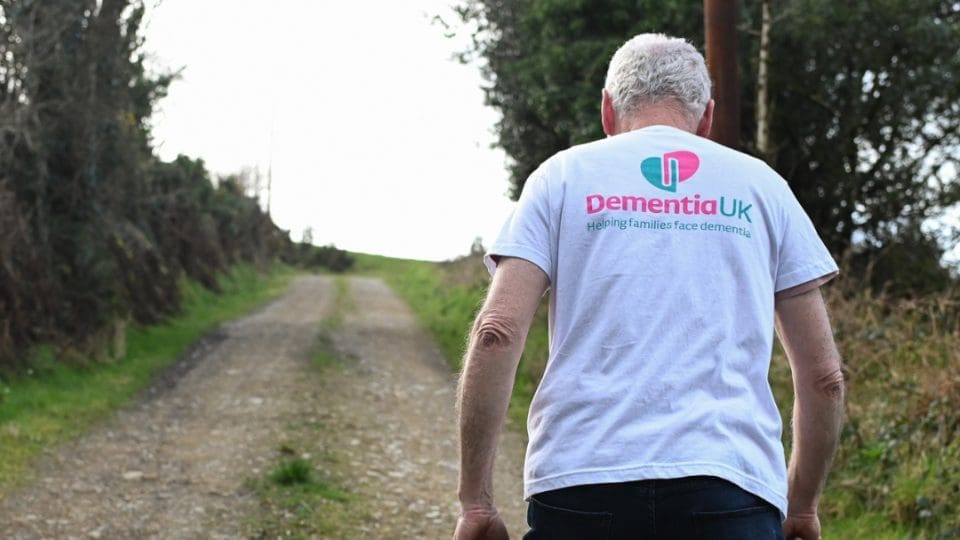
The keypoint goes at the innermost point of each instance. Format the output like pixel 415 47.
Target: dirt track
pixel 175 464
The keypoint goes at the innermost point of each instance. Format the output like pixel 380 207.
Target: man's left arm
pixel 496 343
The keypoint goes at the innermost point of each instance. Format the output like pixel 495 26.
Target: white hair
pixel 657 69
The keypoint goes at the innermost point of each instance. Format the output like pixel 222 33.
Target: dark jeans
pixel 685 508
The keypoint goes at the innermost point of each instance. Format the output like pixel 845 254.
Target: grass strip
pixel 297 499
pixel 56 401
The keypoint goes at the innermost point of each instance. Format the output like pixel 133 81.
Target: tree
pixel 864 97
pixel 94 227
pixel 545 63
pixel 866 113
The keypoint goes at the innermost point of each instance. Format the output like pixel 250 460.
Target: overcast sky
pixel 381 142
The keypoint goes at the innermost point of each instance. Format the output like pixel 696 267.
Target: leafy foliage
pixel 95 227
pixel 867 115
pixel 545 61
pixel 307 255
pixel 865 103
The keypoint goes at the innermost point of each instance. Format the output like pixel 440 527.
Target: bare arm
pixel 804 330
pixel 490 364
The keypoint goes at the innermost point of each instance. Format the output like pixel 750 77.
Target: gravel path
pixel 174 465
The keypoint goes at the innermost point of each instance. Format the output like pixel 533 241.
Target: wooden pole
pixel 720 34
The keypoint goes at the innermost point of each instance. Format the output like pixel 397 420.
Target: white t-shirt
pixel 664 251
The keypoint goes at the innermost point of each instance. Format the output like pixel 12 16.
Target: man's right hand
pixel 805 332
pixel 802 527
pixel 480 523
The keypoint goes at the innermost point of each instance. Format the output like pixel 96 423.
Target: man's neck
pixel 655 116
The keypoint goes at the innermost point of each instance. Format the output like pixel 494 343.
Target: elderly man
pixel 670 260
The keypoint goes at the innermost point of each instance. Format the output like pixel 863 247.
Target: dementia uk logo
pixel 666 173
pixel 674 167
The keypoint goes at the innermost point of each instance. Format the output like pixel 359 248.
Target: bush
pixel 306 255
pixel 94 228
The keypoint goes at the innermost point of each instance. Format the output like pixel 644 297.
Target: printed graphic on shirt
pixel 671 169
pixel 666 173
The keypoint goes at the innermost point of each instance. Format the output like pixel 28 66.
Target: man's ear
pixel 607 115
pixel 706 121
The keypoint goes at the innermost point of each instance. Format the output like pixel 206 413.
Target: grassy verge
pixel 299 496
pixel 55 401
pixel 897 472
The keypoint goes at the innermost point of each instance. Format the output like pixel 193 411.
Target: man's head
pixel 655 78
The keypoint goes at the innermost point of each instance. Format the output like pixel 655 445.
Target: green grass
pixel 296 502
pixel 872 525
pixel 897 471
pixel 56 401
pixel 292 472
pixel 342 304
pixel 323 353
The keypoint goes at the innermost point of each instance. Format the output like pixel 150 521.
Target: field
pixel 897 472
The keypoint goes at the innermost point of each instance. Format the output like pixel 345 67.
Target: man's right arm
pixel 804 329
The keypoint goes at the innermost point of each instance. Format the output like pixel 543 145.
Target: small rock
pixel 132 475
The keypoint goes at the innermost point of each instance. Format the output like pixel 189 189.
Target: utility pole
pixel 720 32
pixel 273 117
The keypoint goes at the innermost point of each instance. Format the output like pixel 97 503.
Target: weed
pixel 292 471
pixel 323 354
pixel 295 503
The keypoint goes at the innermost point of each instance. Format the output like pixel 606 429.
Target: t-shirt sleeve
pixel 526 234
pixel 802 258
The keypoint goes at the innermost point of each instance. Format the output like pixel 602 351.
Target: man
pixel 670 259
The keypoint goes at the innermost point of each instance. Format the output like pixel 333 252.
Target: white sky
pixel 381 141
